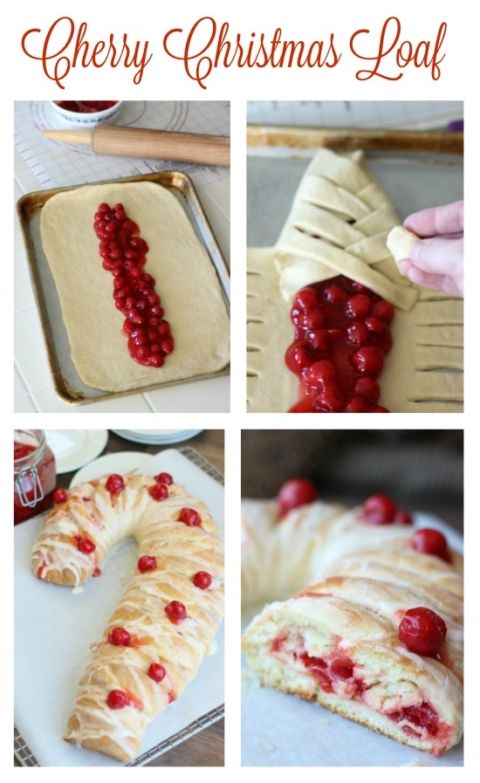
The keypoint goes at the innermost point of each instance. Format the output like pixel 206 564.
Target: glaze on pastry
pixel 374 628
pixel 164 625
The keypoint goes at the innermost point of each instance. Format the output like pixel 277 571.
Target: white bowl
pixel 76 119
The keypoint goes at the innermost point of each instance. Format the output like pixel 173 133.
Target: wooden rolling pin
pixel 147 143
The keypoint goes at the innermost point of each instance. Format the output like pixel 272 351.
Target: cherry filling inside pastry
pixel 337 673
pixel 342 334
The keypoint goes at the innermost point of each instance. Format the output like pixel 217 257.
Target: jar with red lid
pixel 34 474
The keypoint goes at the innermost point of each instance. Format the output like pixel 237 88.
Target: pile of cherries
pixel 342 333
pixel 124 254
pixel 85 107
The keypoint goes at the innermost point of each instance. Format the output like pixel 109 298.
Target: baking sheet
pixel 68 385
pixel 59 626
pixel 305 734
pixel 413 181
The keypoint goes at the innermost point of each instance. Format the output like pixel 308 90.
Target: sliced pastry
pixel 374 631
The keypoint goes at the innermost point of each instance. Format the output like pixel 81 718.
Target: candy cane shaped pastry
pixel 164 625
pixel 372 626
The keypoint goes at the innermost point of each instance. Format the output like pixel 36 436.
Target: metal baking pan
pixel 68 385
pixel 417 169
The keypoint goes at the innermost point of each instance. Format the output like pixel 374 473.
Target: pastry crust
pixel 360 580
pixel 184 279
pixel 400 242
pixel 180 552
pixel 339 223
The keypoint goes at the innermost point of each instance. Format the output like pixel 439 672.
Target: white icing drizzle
pixel 181 551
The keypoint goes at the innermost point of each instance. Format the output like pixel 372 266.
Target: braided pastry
pixel 376 635
pixel 335 237
pixel 165 623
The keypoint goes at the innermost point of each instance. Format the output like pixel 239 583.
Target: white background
pixel 23 79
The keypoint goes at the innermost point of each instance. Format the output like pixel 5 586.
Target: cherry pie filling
pixel 124 254
pixel 337 673
pixel 342 334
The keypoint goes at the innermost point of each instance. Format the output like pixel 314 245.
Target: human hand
pixel 436 260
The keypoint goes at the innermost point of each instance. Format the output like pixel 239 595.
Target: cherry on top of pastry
pixel 163 478
pixel 115 483
pixel 431 542
pixel 176 612
pixel 382 510
pixel 190 517
pixel 84 544
pixel 147 563
pixel 120 637
pixel 157 672
pixel 422 631
pixel 295 493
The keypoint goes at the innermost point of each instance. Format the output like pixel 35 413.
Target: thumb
pixel 438 255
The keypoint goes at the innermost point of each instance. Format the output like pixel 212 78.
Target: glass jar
pixel 34 474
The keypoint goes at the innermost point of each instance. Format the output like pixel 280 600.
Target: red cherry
pixel 147 563
pixel 330 399
pixel 190 517
pixel 176 612
pixel 163 478
pixel 374 324
pixel 357 333
pixel 402 518
pixel 202 580
pixel 358 306
pixel 157 672
pixel 430 542
pixel 335 295
pixel 117 699
pixel 315 318
pixel 378 510
pixel 119 637
pixel 368 361
pixel 384 311
pixel 318 339
pixel 306 298
pixel 422 631
pixel 114 484
pixel 295 493
pixel 85 545
pixel 358 404
pixel 322 373
pixel 367 387
pixel 60 496
pixel 158 492
pixel 297 357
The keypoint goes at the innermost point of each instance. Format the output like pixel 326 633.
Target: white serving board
pixel 304 734
pixel 54 628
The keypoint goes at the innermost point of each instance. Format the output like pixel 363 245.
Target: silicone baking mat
pixel 56 164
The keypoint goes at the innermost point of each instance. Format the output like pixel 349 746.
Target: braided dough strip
pixel 361 580
pixel 180 552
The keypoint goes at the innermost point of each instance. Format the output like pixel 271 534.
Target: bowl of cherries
pixel 85 114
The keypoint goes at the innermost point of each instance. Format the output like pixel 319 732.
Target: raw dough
pixel 400 242
pixel 184 278
pixel 339 223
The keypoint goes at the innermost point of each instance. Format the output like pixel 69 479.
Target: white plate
pixel 54 628
pixel 157 437
pixel 118 462
pixel 74 448
pixel 305 734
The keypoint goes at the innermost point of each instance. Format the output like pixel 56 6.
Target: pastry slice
pixel 332 324
pixel 345 650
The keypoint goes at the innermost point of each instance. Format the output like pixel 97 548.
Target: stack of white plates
pixel 157 437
